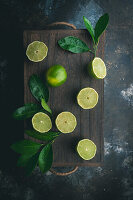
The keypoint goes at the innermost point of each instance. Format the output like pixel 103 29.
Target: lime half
pixel 36 51
pixel 41 122
pixel 56 75
pixel 97 68
pixel 66 122
pixel 87 98
pixel 86 149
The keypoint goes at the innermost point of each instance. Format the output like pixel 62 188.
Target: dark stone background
pixel 114 180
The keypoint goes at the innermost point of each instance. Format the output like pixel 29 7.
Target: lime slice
pixel 86 149
pixel 87 98
pixel 66 122
pixel 97 68
pixel 41 122
pixel 36 51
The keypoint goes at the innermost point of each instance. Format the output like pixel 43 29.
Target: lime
pixel 97 68
pixel 41 122
pixel 87 98
pixel 86 149
pixel 66 122
pixel 36 51
pixel 56 75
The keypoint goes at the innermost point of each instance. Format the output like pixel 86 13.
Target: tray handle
pixel 53 171
pixel 62 23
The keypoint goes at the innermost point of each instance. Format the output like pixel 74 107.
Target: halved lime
pixel 86 149
pixel 66 122
pixel 41 122
pixel 56 75
pixel 87 98
pixel 97 68
pixel 36 51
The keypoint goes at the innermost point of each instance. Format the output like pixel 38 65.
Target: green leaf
pixel 45 106
pixel 31 163
pixel 26 111
pixel 38 89
pixel 89 28
pixel 46 158
pixel 42 136
pixel 28 161
pixel 73 44
pixel 101 26
pixel 23 159
pixel 27 147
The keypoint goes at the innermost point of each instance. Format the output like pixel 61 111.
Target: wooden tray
pixel 63 98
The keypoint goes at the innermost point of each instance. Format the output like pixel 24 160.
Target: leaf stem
pixel 91 51
pixel 43 145
pixel 95 48
pixel 95 53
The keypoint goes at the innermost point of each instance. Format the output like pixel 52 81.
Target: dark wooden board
pixel 63 98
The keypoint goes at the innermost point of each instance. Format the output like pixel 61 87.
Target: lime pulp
pixel 86 149
pixel 66 122
pixel 41 122
pixel 87 98
pixel 36 51
pixel 97 68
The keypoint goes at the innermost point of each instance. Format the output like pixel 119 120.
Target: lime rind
pixel 86 149
pixel 66 122
pixel 41 122
pixel 97 68
pixel 36 51
pixel 87 98
pixel 56 75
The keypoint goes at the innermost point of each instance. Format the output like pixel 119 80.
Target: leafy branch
pixel 40 91
pixel 49 136
pixel 75 45
pixel 34 153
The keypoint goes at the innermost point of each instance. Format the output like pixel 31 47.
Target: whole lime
pixel 56 75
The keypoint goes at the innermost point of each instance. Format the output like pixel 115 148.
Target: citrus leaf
pixel 101 26
pixel 46 158
pixel 89 28
pixel 73 44
pixel 31 163
pixel 42 136
pixel 26 147
pixel 26 111
pixel 38 89
pixel 45 106
pixel 23 159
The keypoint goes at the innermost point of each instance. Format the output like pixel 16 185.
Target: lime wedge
pixel 97 68
pixel 36 51
pixel 66 122
pixel 87 98
pixel 41 122
pixel 86 149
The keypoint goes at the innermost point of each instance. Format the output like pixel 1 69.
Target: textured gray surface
pixel 114 180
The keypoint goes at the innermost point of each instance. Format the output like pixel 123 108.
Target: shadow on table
pixel 11 90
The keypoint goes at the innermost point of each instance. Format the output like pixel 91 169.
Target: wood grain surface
pixel 63 98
